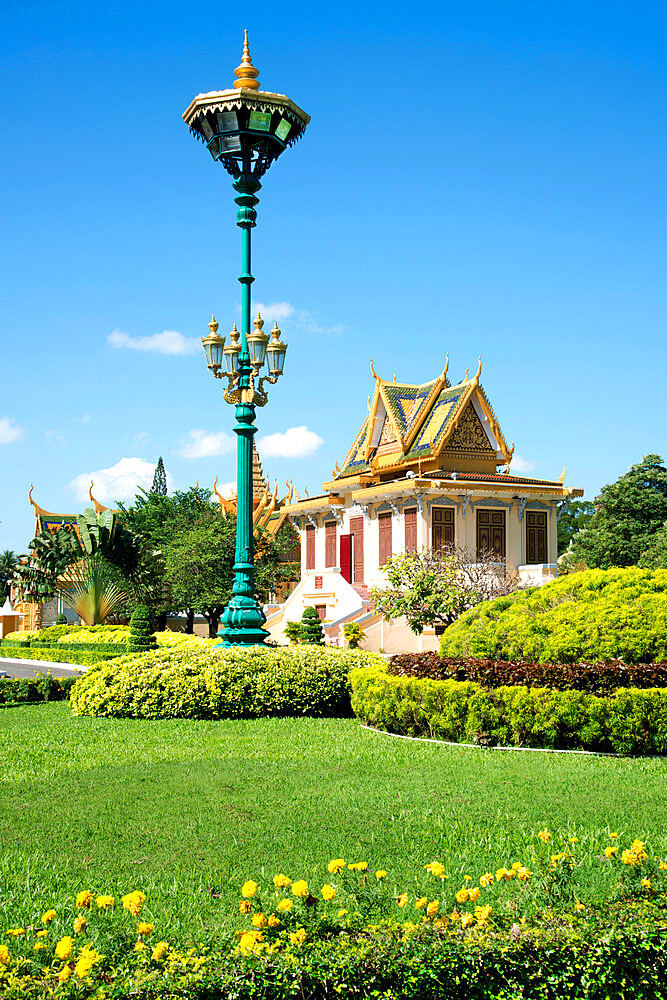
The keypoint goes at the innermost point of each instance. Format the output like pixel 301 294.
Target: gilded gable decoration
pixel 469 435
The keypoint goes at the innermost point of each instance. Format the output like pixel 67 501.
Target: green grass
pixel 187 810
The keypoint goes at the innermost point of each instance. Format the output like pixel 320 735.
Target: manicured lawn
pixel 186 811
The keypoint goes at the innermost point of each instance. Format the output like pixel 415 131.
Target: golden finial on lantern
pixel 213 325
pixel 246 72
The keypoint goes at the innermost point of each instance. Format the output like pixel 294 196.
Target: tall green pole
pixel 242 621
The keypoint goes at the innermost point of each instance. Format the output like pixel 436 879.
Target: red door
pixel 346 557
pixel 357 531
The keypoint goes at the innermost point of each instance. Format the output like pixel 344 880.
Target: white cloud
pixel 300 319
pixel 226 490
pixel 273 311
pixel 295 442
pixel 520 464
pixel 203 444
pixel 9 431
pixel 119 482
pixel 138 439
pixel 167 342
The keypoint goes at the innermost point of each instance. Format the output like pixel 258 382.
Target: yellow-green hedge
pixel 631 721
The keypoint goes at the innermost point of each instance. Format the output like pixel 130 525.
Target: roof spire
pixel 246 72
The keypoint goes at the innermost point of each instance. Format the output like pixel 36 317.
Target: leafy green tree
pixel 141 635
pixel 8 563
pixel 354 634
pixel 293 632
pixel 654 555
pixel 576 515
pixel 159 479
pixel 628 515
pixel 311 630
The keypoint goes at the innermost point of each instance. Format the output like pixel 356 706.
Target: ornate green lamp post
pixel 245 129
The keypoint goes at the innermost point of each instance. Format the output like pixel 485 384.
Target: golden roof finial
pixel 213 325
pixel 246 72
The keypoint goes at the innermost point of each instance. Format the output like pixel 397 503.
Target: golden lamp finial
pixel 246 72
pixel 213 325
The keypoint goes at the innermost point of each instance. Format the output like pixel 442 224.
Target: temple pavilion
pixel 428 468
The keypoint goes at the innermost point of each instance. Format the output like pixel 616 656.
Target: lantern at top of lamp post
pixel 245 128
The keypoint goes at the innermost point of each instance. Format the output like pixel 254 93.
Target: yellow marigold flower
pixel 84 898
pixel 4 954
pixel 381 874
pixel 140 946
pixel 281 881
pixel 64 974
pixel 467 878
pixel 544 835
pixel 466 919
pixel 359 866
pixel 298 937
pixel 249 943
pixel 80 924
pixel 436 868
pixel 462 895
pixel 273 920
pixel 48 916
pixel 38 946
pixel 557 857
pixel 285 905
pixel 300 888
pixel 611 851
pixel 144 928
pixel 614 836
pixel 573 840
pixel 335 866
pixel 486 880
pixel 245 906
pixel 161 949
pixel 646 883
pixel 249 889
pixel 64 947
pixel 662 865
pixel 578 907
pixel 105 902
pixel 342 913
pixel 402 899
pixel 504 873
pixel 432 908
pixel 258 920
pixel 629 857
pixel 482 914
pixel 523 874
pixel 133 902
pixel 473 894
pixel 421 902
pixel 41 934
pixel 16 931
pixel 638 846
pixel 328 892
pixel 83 967
pixel 454 916
pixel 516 866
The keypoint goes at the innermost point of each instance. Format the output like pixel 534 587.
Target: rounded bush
pixel 613 614
pixel 199 682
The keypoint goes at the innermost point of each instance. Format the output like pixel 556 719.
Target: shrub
pixel 293 632
pixel 58 654
pixel 615 614
pixel 61 619
pixel 596 678
pixel 203 683
pixel 629 721
pixel 354 634
pixel 311 630
pixel 141 635
pixel 14 690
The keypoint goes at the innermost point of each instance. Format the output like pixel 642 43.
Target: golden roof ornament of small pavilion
pixel 247 74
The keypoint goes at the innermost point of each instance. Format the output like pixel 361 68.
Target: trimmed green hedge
pixel 613 614
pixel 59 653
pixel 631 721
pixel 203 683
pixel 14 690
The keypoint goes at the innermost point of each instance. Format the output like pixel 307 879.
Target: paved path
pixel 28 668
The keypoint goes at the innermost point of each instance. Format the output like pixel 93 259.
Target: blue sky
pixel 481 178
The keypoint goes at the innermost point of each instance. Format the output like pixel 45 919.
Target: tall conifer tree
pixel 159 479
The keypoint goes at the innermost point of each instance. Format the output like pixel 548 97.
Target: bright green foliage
pixel 92 590
pixel 235 683
pixel 354 634
pixel 593 615
pixel 310 629
pixel 141 634
pixel 293 632
pixel 159 479
pixel 15 690
pixel 654 555
pixel 61 619
pixel 632 720
pixel 573 518
pixel 628 513
pixel 77 657
pixel 8 564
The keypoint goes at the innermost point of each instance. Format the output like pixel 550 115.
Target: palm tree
pixel 8 563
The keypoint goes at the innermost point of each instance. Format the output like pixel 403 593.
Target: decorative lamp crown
pixel 257 341
pixel 276 353
pixel 232 351
pixel 245 128
pixel 213 346
pixel 246 72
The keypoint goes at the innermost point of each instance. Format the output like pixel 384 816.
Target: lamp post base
pixel 241 624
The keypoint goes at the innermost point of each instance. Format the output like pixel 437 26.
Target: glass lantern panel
pixel 277 359
pixel 232 361
pixel 214 149
pixel 229 143
pixel 257 350
pixel 216 353
pixel 282 129
pixel 206 128
pixel 260 121
pixel 227 121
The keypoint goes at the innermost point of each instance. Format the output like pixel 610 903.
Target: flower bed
pixel 44 687
pixel 631 721
pixel 515 932
pixel 204 683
